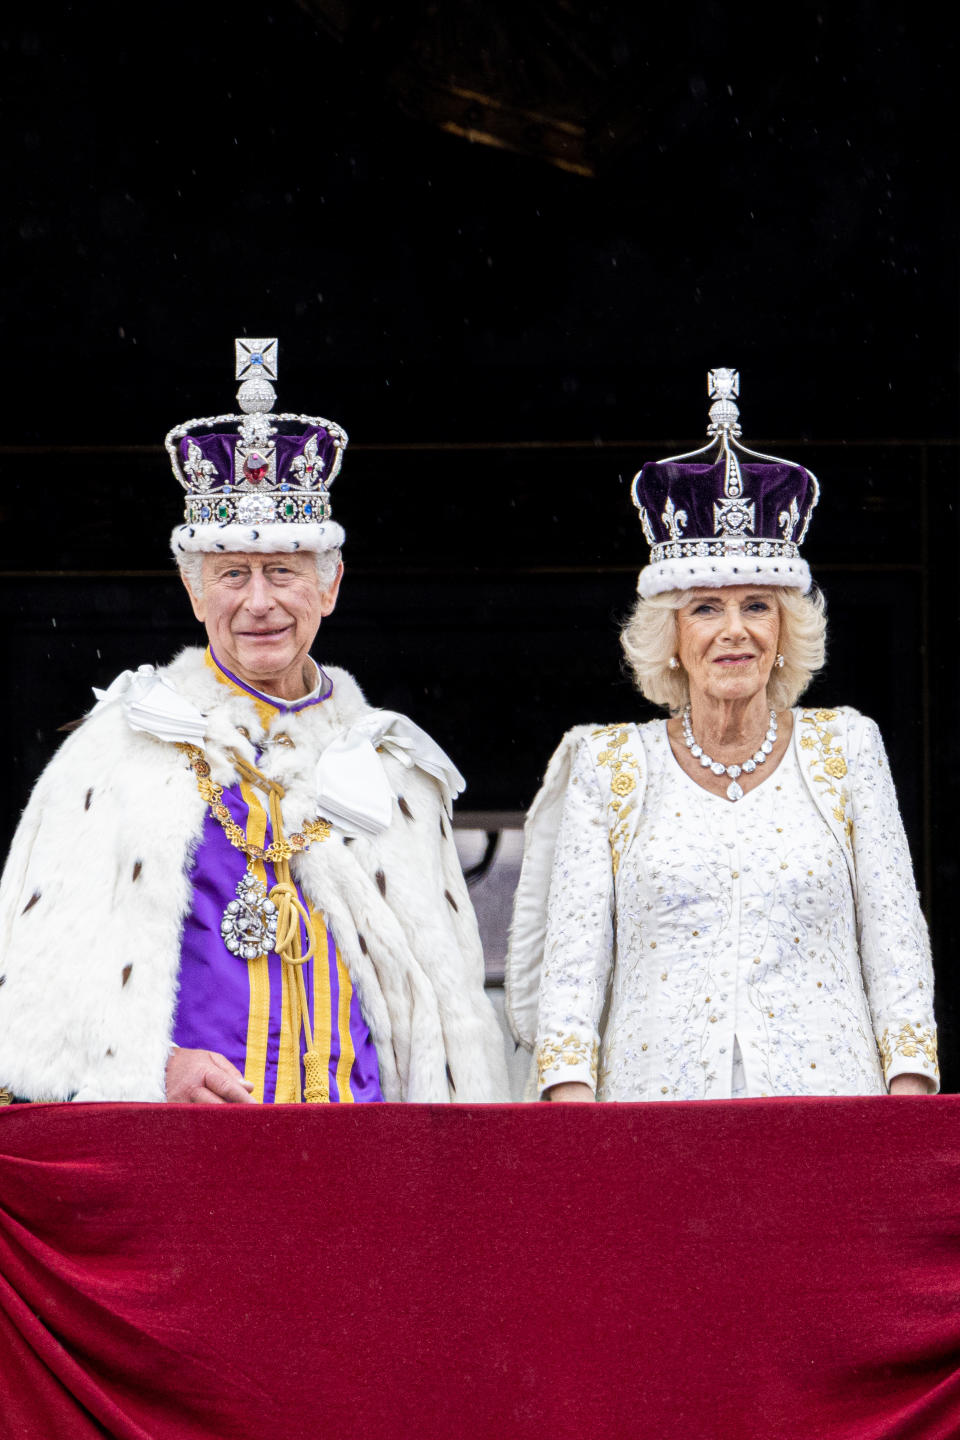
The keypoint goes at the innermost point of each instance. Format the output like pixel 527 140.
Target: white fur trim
pixel 698 571
pixel 275 539
pixel 96 891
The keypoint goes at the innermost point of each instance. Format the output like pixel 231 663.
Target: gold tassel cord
pixel 290 912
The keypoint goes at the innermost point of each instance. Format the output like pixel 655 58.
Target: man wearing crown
pixel 236 882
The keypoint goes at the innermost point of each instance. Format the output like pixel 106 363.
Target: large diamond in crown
pixel 255 510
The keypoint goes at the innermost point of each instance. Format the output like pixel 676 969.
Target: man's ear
pixel 197 601
pixel 328 597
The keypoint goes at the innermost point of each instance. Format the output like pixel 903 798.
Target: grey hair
pixel 649 639
pixel 190 565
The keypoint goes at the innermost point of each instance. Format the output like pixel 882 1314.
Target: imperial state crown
pixel 259 480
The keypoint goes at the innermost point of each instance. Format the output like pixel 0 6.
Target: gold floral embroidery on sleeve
pixel 827 763
pixel 911 1042
pixel 624 775
pixel 571 1050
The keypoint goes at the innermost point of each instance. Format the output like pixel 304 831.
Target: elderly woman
pixel 723 900
pixel 237 881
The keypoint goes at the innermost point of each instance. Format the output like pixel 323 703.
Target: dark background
pixel 502 245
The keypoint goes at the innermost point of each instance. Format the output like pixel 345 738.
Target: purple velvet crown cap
pixel 729 522
pixel 220 449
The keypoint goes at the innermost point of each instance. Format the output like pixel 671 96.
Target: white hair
pixel 649 639
pixel 190 565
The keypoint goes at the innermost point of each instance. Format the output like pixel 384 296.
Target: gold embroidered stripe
pixel 322 1006
pixel 345 1063
pixel 258 973
pixel 624 775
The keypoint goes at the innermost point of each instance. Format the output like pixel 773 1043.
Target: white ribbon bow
pixel 352 787
pixel 154 707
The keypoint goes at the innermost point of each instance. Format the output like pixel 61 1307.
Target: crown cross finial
pixel 256 367
pixel 723 385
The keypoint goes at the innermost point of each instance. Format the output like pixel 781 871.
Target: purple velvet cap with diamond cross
pixel 258 481
pixel 730 517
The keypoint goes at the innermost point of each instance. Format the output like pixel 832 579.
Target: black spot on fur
pixel 254 534
pixel 450 1081
pixel 362 943
pixel 137 869
pixel 443 828
pixel 452 901
pixel 31 902
pixel 217 545
pixel 3 979
pixel 109 1055
pixel 381 882
pixel 349 839
pixel 86 803
pixel 125 974
pixel 296 544
pixel 404 807
pixel 191 532
pixel 180 548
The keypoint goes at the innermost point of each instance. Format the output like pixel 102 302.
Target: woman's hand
pixel 910 1085
pixel 571 1092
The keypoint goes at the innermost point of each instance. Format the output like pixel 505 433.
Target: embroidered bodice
pixel 730 929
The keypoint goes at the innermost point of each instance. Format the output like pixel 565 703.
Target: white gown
pixel 734 937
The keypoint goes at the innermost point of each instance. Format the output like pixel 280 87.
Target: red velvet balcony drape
pixel 777 1268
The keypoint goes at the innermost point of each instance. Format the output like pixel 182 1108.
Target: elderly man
pixel 237 882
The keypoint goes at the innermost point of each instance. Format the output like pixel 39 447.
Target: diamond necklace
pixel 747 767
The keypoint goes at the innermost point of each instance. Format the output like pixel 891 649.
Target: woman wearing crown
pixel 722 904
pixel 237 882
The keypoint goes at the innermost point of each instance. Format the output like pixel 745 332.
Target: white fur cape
pixel 95 894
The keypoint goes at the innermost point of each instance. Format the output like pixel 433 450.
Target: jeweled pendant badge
pixel 249 924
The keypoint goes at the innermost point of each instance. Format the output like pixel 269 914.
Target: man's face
pixel 261 614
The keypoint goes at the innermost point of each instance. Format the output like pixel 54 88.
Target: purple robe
pixel 241 1008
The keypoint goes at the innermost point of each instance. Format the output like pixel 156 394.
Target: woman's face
pixel 727 641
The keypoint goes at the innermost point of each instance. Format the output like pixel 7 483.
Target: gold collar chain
pixel 281 847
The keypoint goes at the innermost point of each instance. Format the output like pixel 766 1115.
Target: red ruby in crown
pixel 255 467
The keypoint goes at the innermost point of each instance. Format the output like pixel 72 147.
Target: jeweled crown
pixel 258 480
pixel 727 518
